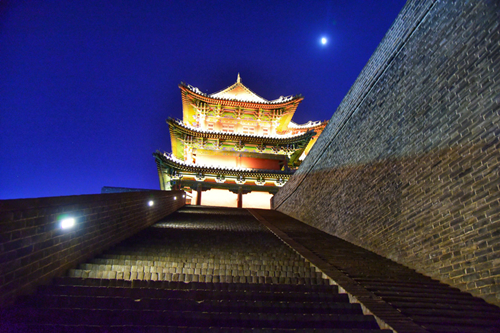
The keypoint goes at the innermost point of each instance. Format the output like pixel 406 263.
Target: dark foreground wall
pixel 409 165
pixel 34 249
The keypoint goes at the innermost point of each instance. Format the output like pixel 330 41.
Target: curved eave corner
pixel 233 102
pixel 173 123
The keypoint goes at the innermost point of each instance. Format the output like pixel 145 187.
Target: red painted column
pixel 198 194
pixel 240 198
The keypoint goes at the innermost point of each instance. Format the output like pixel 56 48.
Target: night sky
pixel 86 86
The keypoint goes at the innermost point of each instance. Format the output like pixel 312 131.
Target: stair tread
pixel 429 295
pixel 279 306
pixel 74 281
pixel 190 318
pixel 166 328
pixel 406 306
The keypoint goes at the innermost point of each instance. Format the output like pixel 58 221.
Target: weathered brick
pixel 415 145
pixel 38 250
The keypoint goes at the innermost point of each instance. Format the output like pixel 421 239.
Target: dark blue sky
pixel 86 86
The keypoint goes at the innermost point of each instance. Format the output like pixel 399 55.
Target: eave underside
pixel 213 171
pixel 269 140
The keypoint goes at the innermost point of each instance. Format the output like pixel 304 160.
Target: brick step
pixel 196 271
pixel 429 296
pixel 464 322
pixel 434 284
pixel 212 258
pixel 190 318
pixel 472 312
pixel 444 291
pixel 153 244
pixel 430 301
pixel 358 274
pixel 179 266
pixel 96 274
pixel 197 295
pixel 375 269
pixel 252 306
pixel 37 328
pixel 271 271
pixel 197 263
pixel 72 281
pixel 483 308
pixel 376 275
pixel 445 328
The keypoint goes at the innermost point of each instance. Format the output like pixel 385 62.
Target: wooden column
pixel 198 194
pixel 240 198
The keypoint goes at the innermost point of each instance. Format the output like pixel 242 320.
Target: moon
pixel 324 40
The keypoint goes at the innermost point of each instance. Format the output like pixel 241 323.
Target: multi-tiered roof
pixel 233 139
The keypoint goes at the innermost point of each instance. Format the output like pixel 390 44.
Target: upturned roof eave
pixel 313 125
pixel 239 137
pixel 160 158
pixel 234 102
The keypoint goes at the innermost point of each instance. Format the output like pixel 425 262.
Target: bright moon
pixel 324 41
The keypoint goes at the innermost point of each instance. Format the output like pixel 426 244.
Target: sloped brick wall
pixel 34 249
pixel 409 165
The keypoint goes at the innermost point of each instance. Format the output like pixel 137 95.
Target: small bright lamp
pixel 175 198
pixel 324 40
pixel 151 203
pixel 68 223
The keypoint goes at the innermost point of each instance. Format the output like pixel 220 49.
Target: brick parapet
pixel 408 165
pixel 34 249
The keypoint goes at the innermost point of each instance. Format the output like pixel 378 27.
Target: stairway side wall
pixel 409 165
pixel 34 249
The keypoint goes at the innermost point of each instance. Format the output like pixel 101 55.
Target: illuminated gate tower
pixel 234 148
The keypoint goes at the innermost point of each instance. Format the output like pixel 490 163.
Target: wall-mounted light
pixel 183 195
pixel 68 223
pixel 151 203
pixel 175 198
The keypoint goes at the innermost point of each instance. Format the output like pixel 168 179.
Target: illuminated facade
pixel 234 143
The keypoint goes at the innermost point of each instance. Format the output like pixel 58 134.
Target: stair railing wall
pixel 34 248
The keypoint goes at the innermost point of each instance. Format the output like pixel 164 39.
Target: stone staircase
pixel 200 269
pixel 425 302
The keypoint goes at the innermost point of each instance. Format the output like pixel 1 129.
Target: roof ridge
pixel 238 83
pixel 258 100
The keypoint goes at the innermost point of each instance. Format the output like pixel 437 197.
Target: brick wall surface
pixel 409 165
pixel 34 249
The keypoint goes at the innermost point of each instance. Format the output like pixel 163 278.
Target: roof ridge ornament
pixel 250 98
pixel 238 79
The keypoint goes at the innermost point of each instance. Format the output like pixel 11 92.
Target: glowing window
pixel 229 128
pixel 210 126
pixel 265 131
pixel 248 130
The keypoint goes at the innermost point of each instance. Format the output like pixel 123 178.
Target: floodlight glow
pixel 324 40
pixel 68 223
pixel 175 198
pixel 151 203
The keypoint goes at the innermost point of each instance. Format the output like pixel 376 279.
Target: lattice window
pixel 229 128
pixel 248 130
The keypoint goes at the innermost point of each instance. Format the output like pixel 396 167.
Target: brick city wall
pixel 409 165
pixel 34 249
